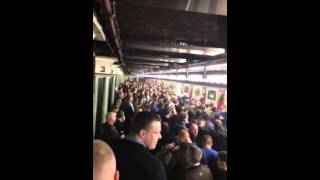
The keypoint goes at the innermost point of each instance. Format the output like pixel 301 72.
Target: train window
pixel 211 95
pixel 186 89
pixel 197 92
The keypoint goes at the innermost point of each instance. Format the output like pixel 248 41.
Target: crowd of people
pixel 156 134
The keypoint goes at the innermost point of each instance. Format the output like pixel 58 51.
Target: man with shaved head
pixel 211 155
pixel 177 164
pixel 104 162
pixel 184 136
pixel 110 133
pixel 195 138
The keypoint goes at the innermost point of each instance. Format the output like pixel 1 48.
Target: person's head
pixel 111 117
pixel 147 107
pixel 203 107
pixel 184 136
pixel 218 124
pixel 224 108
pixel 153 104
pixel 193 155
pixel 191 114
pixel 202 123
pixel 205 117
pixel 104 162
pixel 165 129
pixel 207 141
pixel 142 93
pixel 198 103
pixel 117 104
pixel 130 97
pixel 168 110
pixel 193 102
pixel 222 160
pixel 141 101
pixel 121 116
pixel 140 109
pixel 194 129
pixel 179 109
pixel 169 98
pixel 183 116
pixel 214 109
pixel 120 95
pixel 198 114
pixel 147 127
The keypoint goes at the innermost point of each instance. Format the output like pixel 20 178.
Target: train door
pixel 186 90
pixel 204 95
pixel 181 89
pixel 102 103
pixel 191 93
pixel 221 100
pixel 197 92
pixel 111 92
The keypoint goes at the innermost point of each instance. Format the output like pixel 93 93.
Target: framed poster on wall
pixel 212 95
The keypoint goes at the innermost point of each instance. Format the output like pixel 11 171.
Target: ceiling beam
pixel 146 63
pixel 173 48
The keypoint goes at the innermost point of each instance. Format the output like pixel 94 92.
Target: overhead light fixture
pixel 161 59
pixel 197 50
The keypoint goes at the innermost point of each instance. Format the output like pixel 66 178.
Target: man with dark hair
pixel 220 136
pixel 119 124
pixel 166 138
pixel 182 122
pixel 129 109
pixel 196 171
pixel 133 159
pixel 209 126
pixel 117 102
pixel 221 172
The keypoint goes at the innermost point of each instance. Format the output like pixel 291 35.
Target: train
pixel 210 94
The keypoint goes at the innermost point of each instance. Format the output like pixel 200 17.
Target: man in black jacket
pixel 110 133
pixel 195 170
pixel 129 109
pixel 222 171
pixel 132 156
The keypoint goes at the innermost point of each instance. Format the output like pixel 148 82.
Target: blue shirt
pixel 210 155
